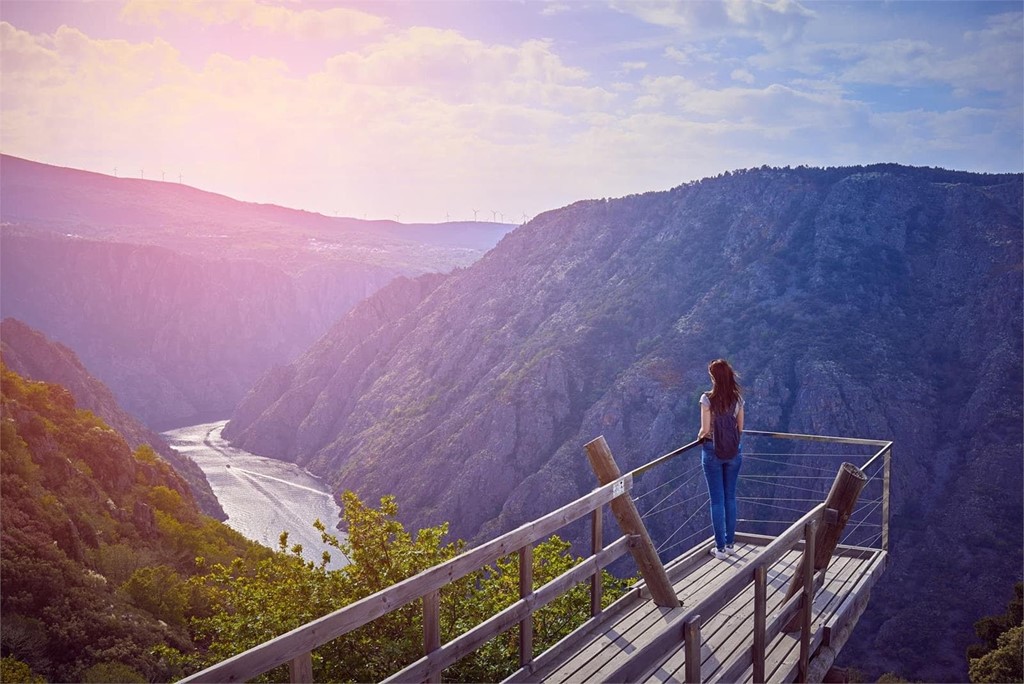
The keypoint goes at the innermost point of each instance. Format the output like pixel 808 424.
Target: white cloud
pixel 309 24
pixel 742 75
pixel 772 23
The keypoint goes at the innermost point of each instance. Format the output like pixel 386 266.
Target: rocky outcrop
pixel 880 301
pixel 30 354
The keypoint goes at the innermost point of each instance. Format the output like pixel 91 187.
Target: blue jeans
pixel 721 477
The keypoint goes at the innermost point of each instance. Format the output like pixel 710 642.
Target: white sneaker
pixel 720 555
pixel 730 549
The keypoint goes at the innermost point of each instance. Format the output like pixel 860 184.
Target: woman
pixel 721 474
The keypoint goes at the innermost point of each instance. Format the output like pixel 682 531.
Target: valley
pixel 262 497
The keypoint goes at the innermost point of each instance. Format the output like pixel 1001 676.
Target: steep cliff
pixel 30 354
pixel 882 301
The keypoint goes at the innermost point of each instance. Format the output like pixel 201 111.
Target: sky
pixel 435 110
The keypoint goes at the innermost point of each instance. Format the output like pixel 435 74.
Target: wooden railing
pixel 296 646
pixel 684 626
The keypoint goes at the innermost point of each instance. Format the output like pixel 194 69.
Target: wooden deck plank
pixel 726 635
pixel 783 653
pixel 736 613
pixel 629 633
pixel 633 632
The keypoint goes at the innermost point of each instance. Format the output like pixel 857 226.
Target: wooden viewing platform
pixel 778 610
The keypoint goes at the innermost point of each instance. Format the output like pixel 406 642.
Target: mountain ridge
pixel 850 299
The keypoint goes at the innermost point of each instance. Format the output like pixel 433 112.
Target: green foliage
pixel 160 591
pixel 1000 658
pixel 13 670
pixel 113 672
pixel 1004 662
pixel 252 601
pixel 111 574
pixel 76 523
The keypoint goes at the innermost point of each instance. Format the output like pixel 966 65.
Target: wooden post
pixel 596 544
pixel 807 601
pixel 842 498
pixel 525 589
pixel 644 553
pixel 300 669
pixel 760 617
pixel 691 645
pixel 887 459
pixel 432 627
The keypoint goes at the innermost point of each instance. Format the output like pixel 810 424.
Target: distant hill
pixel 879 301
pixel 192 221
pixel 30 354
pixel 179 299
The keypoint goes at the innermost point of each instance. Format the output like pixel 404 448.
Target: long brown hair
pixel 725 391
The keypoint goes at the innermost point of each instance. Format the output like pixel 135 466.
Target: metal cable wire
pixel 684 523
pixel 654 508
pixel 664 484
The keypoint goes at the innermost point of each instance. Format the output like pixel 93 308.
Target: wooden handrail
pixel 305 638
pixel 296 646
pixel 461 646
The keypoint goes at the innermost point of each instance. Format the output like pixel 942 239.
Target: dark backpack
pixel 725 432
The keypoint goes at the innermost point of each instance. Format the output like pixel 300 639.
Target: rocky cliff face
pixel 34 357
pixel 880 301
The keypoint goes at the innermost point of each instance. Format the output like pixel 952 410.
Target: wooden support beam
pixel 885 497
pixel 842 498
pixel 760 617
pixel 526 589
pixel 645 555
pixel 300 669
pixel 432 628
pixel 807 602
pixel 691 635
pixel 596 542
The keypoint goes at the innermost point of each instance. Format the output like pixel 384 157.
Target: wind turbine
pixel 115 172
pixel 397 216
pixel 179 178
pixel 162 176
pixel 142 173
pixel 525 217
pixel 447 217
pixel 502 216
pixel 494 215
pixel 474 211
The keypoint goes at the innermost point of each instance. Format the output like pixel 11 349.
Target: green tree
pixel 13 670
pixel 999 658
pixel 252 602
pixel 1004 662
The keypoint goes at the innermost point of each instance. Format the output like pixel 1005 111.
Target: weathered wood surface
pixel 644 553
pixel 300 669
pixel 728 635
pixel 842 498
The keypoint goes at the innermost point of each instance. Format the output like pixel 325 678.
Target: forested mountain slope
pixel 878 301
pixel 96 543
pixel 30 354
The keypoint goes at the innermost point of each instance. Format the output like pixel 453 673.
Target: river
pixel 261 496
